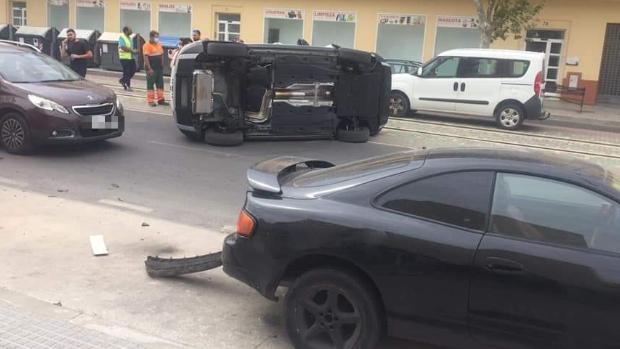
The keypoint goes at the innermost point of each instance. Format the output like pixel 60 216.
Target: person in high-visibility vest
pixel 126 53
pixel 154 65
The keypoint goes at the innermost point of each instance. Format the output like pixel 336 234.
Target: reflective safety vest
pixel 128 43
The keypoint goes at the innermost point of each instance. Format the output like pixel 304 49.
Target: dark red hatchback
pixel 43 102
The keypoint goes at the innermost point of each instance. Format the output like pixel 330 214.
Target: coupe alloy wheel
pixel 12 134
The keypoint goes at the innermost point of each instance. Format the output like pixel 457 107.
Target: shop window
pixel 175 19
pixel 456 32
pixel 333 27
pixel 137 15
pixel 228 27
pixel 90 14
pixel 58 14
pixel 401 37
pixel 19 13
pixel 284 26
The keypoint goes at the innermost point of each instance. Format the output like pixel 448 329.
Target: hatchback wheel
pixel 510 116
pixel 332 309
pixel 15 134
pixel 399 104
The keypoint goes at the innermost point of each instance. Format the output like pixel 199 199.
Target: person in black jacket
pixel 78 51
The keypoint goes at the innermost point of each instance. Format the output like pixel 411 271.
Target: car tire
pixel 193 136
pixel 399 104
pixel 354 135
pixel 226 50
pixel 223 138
pixel 326 304
pixel 510 116
pixel 15 134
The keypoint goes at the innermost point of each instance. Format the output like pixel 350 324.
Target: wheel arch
pixel 507 101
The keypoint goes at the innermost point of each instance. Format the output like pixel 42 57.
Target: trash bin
pixel 42 37
pixel 91 37
pixel 107 47
pixel 7 32
pixel 168 43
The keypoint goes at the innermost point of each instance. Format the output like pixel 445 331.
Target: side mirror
pixel 419 71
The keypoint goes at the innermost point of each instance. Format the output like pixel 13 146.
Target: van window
pixel 441 67
pixel 515 69
pixel 478 67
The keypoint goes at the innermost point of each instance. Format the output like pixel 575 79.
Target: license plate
pixel 99 122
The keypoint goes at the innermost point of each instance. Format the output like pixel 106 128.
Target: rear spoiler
pixel 266 175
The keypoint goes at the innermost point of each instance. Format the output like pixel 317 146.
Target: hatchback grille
pixel 94 133
pixel 88 110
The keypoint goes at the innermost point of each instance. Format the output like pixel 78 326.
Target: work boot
pixel 162 102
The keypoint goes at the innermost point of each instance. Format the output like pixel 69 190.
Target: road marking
pixel 126 205
pixel 228 155
pixel 13 183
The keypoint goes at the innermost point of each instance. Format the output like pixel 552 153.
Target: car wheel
pixel 330 308
pixel 399 104
pixel 353 135
pixel 214 136
pixel 510 116
pixel 15 134
pixel 193 136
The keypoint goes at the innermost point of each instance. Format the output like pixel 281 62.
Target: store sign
pixel 334 16
pixel 174 7
pixel 457 22
pixel 284 13
pixel 401 19
pixel 135 5
pixel 58 2
pixel 91 3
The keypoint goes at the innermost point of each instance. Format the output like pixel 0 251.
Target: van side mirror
pixel 419 71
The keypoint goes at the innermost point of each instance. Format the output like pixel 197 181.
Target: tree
pixel 500 18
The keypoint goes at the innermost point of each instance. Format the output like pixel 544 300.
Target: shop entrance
pixel 609 79
pixel 551 43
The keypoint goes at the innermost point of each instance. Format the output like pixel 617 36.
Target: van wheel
pixel 225 138
pixel 510 116
pixel 399 104
pixel 15 134
pixel 330 308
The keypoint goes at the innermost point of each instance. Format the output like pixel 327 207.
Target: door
pixel 547 273
pixel 479 86
pixel 433 226
pixel 228 27
pixel 19 13
pixel 609 81
pixel 437 87
pixel 549 42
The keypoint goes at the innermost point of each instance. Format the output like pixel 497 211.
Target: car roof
pixel 493 53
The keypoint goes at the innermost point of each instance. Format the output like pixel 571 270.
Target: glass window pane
pixel 90 18
pixel 233 37
pixel 554 61
pixel 400 41
pixel 221 37
pixel 517 68
pixel 460 199
pixel 234 28
pixel 478 67
pixel 282 30
pixel 175 24
pixel 442 67
pixel 556 47
pixel 230 17
pixel 451 38
pixel 339 33
pixel 552 74
pixel 58 16
pixel 139 21
pixel 550 211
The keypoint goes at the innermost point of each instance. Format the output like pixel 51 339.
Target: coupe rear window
pixel 34 67
pixel 341 173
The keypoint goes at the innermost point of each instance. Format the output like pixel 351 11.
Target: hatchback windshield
pixel 34 67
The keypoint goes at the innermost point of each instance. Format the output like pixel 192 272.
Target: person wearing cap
pixel 78 51
pixel 154 65
pixel 196 35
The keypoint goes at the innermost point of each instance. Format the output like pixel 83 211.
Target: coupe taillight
pixel 245 224
pixel 538 84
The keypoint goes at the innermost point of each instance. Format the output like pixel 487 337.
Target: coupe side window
pixel 460 199
pixel 545 210
pixel 442 67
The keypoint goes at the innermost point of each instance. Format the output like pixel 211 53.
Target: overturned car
pixel 225 92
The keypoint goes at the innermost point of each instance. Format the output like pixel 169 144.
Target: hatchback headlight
pixel 46 104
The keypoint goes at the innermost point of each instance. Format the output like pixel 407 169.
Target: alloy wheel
pixel 510 118
pixel 328 319
pixel 396 105
pixel 12 134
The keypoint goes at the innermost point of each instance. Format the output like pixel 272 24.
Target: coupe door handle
pixel 456 86
pixel 503 266
pixel 462 87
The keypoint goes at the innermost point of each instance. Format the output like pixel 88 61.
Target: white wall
pixel 339 33
pixel 92 18
pixel 139 21
pixel 290 29
pixel 400 41
pixel 175 24
pixel 58 16
pixel 451 38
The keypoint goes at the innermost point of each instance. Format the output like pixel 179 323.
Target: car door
pixel 437 87
pixel 547 273
pixel 479 86
pixel 433 226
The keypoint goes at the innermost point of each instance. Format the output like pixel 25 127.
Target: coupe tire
pixel 353 135
pixel 331 308
pixel 223 138
pixel 193 136
pixel 15 134
pixel 510 116
pixel 399 104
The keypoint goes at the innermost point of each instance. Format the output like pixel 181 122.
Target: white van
pixel 503 84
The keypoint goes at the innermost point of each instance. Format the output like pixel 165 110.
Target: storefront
pixel 401 36
pixel 284 26
pixel 137 15
pixel 456 32
pixel 333 27
pixel 90 14
pixel 58 13
pixel 175 19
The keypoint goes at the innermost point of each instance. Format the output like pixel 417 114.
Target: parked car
pixel 464 248
pixel 224 92
pixel 43 102
pixel 402 66
pixel 502 84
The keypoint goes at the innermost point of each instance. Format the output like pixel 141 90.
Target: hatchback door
pixel 437 87
pixel 547 274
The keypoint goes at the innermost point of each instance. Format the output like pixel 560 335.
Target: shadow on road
pixel 73 150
